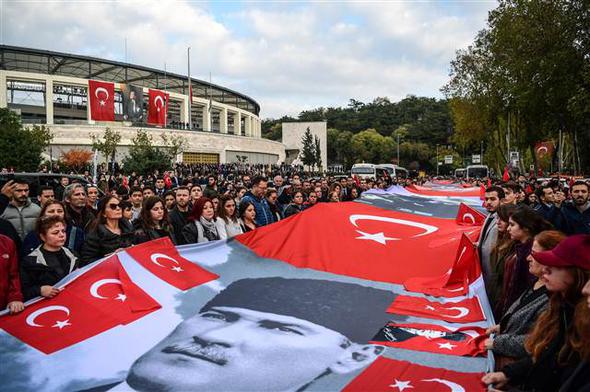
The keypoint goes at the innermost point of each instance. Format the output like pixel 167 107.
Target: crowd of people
pixel 534 246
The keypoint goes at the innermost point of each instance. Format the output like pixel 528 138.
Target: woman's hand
pixel 489 343
pixel 16 307
pixel 49 291
pixel 498 379
pixel 493 329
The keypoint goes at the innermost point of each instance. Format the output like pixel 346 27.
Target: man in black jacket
pixel 179 214
pixel 77 212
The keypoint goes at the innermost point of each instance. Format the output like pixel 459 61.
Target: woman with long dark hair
pixel 108 233
pixel 523 226
pixel 229 215
pixel 296 206
pixel 503 248
pixel 560 339
pixel 203 224
pixel 247 216
pixel 152 222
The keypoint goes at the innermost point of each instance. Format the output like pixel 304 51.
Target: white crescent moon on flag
pixel 469 215
pixel 103 90
pixel 462 312
pixel 96 285
pixel 428 229
pixel 157 256
pixel 31 317
pixel 542 149
pixel 159 97
pixel 453 385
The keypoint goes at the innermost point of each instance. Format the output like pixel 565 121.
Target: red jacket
pixel 9 277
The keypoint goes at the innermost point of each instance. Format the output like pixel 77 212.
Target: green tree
pixel 175 144
pixel 307 149
pixel 317 153
pixel 371 147
pixel 144 157
pixel 107 146
pixel 20 147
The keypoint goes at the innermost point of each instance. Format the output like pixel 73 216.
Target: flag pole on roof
pixel 210 103
pixel 190 90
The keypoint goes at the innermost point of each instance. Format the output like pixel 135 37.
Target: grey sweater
pixel 517 322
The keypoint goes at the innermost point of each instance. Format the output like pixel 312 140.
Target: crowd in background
pixel 534 246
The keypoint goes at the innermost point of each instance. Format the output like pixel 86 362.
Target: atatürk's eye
pixel 214 315
pixel 281 327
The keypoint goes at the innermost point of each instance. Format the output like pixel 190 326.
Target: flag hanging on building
pixel 158 107
pixel 101 97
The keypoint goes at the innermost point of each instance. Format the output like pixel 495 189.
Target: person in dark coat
pixel 559 340
pixel 49 263
pixel 296 206
pixel 153 222
pixel 178 217
pixel 108 233
pixel 574 217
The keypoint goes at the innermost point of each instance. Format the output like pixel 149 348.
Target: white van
pixel 477 171
pixel 367 170
pixel 394 170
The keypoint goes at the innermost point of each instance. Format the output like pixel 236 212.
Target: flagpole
pixel 190 96
pixel 166 95
pixel 210 109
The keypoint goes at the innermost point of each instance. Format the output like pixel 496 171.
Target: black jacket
pixel 34 272
pixel 579 381
pixel 141 235
pixel 101 241
pixel 178 220
pixel 80 219
pixel 547 373
pixel 571 221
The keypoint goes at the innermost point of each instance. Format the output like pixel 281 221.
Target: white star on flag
pixel 177 269
pixel 61 324
pixel 377 237
pixel 102 103
pixel 121 297
pixel 448 346
pixel 401 385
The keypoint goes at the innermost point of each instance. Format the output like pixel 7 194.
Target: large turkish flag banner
pixel 395 376
pixel 161 258
pixel 157 107
pixel 101 96
pixel 464 341
pixel 455 282
pixel 360 240
pixel 100 299
pixel 466 311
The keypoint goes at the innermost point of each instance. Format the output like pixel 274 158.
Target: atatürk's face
pixel 229 349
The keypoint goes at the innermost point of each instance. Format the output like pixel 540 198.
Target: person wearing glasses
pixel 108 233
pixel 48 263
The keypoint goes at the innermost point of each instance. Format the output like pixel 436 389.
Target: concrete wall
pixel 293 134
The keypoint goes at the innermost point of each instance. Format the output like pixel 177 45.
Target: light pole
pixel 481 153
pixel 437 160
pixel 398 162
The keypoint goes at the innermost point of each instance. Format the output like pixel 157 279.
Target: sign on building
pixel 448 159
pixel 476 158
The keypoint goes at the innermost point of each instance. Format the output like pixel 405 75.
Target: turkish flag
pixel 109 287
pixel 98 300
pixel 101 96
pixel 464 341
pixel 506 175
pixel 466 311
pixel 360 240
pixel 161 258
pixel 157 107
pixel 455 282
pixel 396 376
pixel 544 149
pixel 469 216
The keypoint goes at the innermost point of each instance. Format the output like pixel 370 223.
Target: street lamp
pixel 437 160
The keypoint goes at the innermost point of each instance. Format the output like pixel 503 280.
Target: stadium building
pixel 52 89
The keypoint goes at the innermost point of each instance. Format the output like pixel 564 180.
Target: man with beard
pixel 21 212
pixel 179 214
pixel 489 233
pixel 574 217
pixel 270 334
pixel 77 212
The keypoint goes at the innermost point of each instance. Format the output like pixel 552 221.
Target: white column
pixel 184 109
pixel 237 123
pixel 49 101
pixel 3 102
pixel 206 118
pixel 223 120
pixel 257 128
pixel 248 126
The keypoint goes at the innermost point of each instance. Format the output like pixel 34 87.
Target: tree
pixel 175 144
pixel 144 157
pixel 371 147
pixel 307 149
pixel 107 146
pixel 317 153
pixel 76 159
pixel 20 147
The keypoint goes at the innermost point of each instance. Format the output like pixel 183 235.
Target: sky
pixel 288 56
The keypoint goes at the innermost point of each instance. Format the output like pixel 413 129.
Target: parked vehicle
pixel 37 180
pixel 477 171
pixel 368 170
pixel 395 171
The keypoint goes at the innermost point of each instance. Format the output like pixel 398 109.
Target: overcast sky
pixel 288 56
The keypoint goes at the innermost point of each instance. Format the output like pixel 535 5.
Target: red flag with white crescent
pixel 101 96
pixel 464 341
pixel 468 216
pixel 390 375
pixel 161 258
pixel 360 240
pixel 465 311
pixel 157 107
pixel 455 282
pixel 544 149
